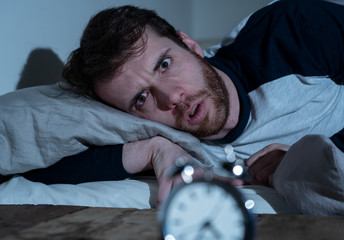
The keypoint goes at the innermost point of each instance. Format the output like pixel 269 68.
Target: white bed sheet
pixel 137 193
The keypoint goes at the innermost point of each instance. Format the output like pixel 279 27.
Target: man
pixel 281 79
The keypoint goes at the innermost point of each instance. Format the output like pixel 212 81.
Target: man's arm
pixel 94 164
pixel 115 163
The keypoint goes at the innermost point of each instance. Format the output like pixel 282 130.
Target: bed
pixel 41 112
pixel 39 143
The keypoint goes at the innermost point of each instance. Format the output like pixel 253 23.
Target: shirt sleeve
pixel 94 164
pixel 291 37
pixel 321 27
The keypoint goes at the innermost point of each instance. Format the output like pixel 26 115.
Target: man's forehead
pixel 135 74
pixel 146 47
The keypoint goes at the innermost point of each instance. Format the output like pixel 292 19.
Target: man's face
pixel 171 85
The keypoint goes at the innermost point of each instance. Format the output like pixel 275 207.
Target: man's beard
pixel 216 90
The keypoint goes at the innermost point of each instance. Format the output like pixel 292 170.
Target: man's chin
pixel 210 130
pixel 206 133
pixel 216 136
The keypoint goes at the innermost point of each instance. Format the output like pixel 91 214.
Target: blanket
pixel 311 177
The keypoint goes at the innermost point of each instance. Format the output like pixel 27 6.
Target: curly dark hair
pixel 108 42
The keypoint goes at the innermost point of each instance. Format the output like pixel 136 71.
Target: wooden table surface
pixel 82 223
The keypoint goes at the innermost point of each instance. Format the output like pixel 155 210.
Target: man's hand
pixel 263 163
pixel 158 153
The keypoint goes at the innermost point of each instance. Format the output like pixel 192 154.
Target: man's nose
pixel 170 97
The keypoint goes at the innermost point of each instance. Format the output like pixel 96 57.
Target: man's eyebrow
pixel 161 59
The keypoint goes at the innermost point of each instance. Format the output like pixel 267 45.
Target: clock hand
pixel 200 234
pixel 207 224
pixel 217 207
pixel 201 225
pixel 192 230
pixel 208 227
pixel 215 232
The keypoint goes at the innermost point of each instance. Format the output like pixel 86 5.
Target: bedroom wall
pixel 36 36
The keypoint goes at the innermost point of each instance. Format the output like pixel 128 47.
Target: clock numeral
pixel 193 195
pixel 182 206
pixel 177 222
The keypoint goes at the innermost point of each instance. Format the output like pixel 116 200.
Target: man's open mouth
pixel 194 111
pixel 197 113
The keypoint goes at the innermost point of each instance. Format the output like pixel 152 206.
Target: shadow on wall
pixel 43 67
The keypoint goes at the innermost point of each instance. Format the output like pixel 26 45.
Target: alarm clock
pixel 206 208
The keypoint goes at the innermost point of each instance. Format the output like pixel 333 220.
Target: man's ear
pixel 192 44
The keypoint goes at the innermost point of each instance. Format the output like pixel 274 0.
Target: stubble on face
pixel 215 89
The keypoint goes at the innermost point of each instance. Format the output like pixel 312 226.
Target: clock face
pixel 204 210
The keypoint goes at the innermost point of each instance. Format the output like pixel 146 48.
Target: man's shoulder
pixel 300 4
pixel 287 12
pixel 286 5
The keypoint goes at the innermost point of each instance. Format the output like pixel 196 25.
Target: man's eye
pixel 141 99
pixel 165 64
